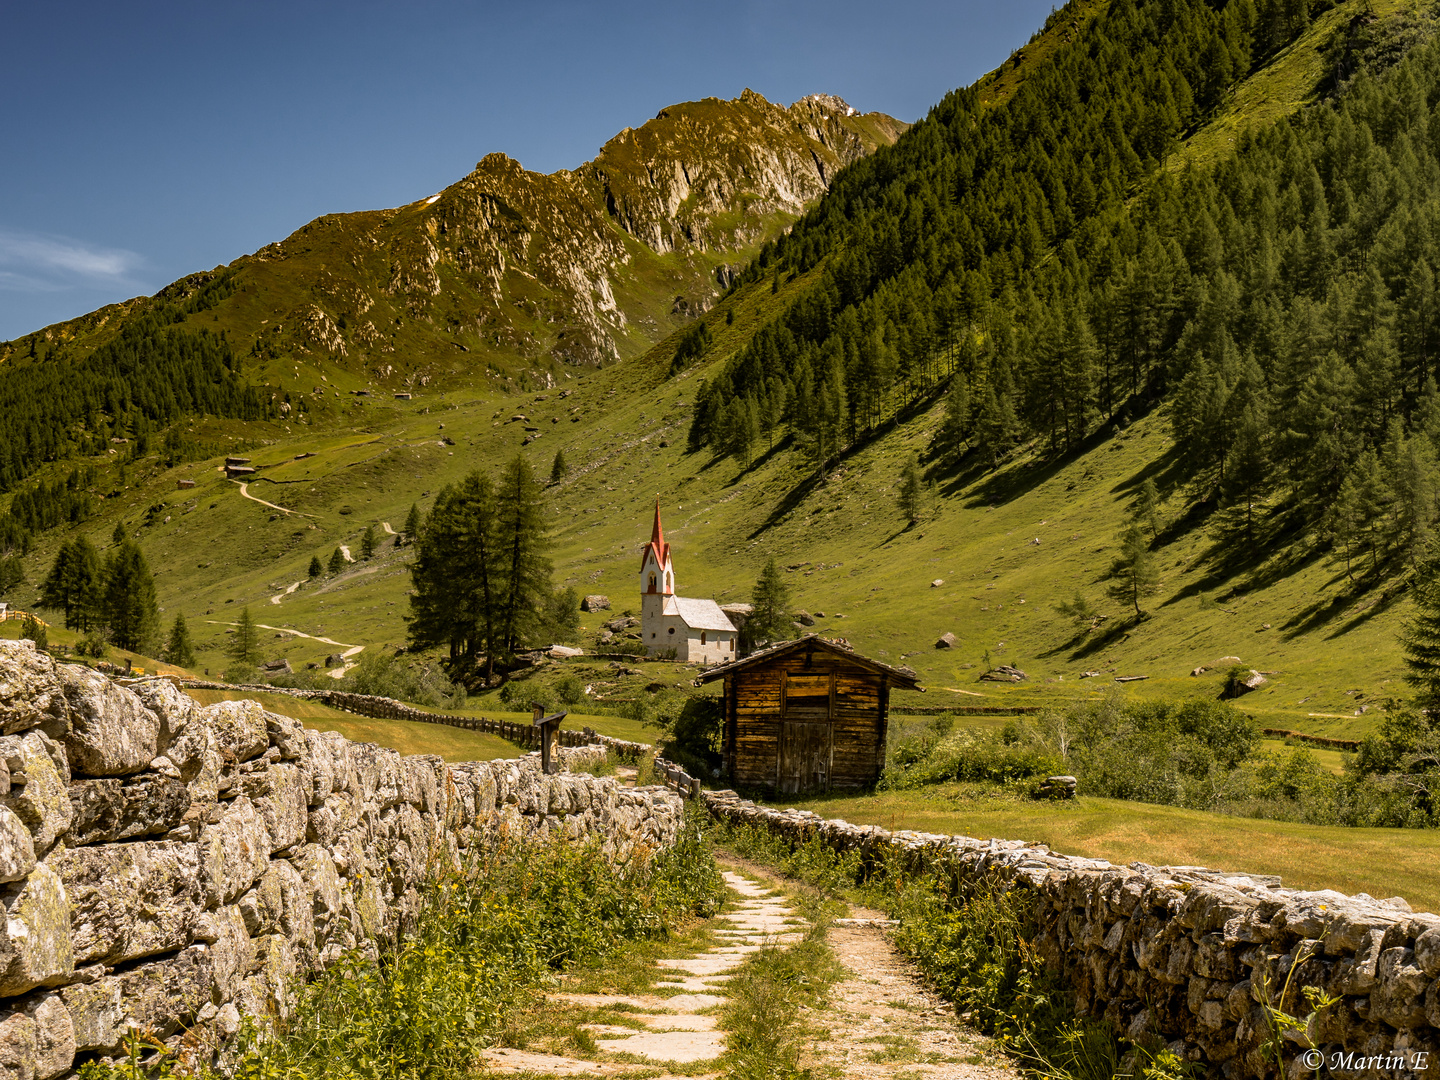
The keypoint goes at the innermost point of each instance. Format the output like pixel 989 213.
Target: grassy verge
pixel 976 948
pixel 1381 862
pixel 489 933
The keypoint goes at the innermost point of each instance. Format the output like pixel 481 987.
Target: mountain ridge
pixel 572 263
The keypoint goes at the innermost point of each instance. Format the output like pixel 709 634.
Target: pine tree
pixel 74 584
pixel 1134 570
pixel 245 646
pixel 178 650
pixel 128 601
pixel 337 561
pixel 1146 509
pixel 956 425
pixel 316 566
pixel 367 542
pixel 521 530
pixel 911 492
pixel 769 618
pixel 118 536
pixel 1420 636
pixel 558 468
pixel 12 572
pixel 412 524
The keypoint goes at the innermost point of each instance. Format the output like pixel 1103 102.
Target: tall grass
pixel 511 919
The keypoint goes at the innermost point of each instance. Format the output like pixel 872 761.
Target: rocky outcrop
pixel 1185 954
pixel 169 866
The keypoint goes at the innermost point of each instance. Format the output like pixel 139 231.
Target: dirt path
pixel 345 551
pixel 281 595
pixel 349 650
pixel 881 1024
pixel 386 526
pixel 675 1025
pixel 883 1019
pixel 245 490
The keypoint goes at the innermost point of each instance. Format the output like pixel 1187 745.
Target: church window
pixel 702 637
pixel 652 582
pixel 672 629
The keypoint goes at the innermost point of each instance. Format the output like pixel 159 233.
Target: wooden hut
pixel 808 715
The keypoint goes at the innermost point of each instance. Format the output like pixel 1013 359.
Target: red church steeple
pixel 661 579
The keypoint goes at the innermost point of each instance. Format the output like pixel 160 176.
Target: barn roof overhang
pixel 900 679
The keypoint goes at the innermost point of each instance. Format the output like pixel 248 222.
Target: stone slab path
pixel 882 1022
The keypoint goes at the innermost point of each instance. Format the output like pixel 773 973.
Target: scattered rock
pixel 624 622
pixel 334 660
pixel 595 602
pixel 278 666
pixel 946 640
pixel 1003 673
pixel 1200 671
pixel 1089 674
pixel 1131 678
pixel 804 618
pixel 1239 685
pixel 937 583
pixel 1056 787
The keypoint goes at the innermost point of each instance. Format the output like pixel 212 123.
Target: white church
pixel 697 630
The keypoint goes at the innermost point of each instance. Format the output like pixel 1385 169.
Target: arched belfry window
pixel 652 582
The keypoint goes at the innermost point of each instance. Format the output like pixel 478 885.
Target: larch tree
pixel 128 600
pixel 1134 573
pixel 245 646
pixel 910 495
pixel 1420 636
pixel 769 618
pixel 179 650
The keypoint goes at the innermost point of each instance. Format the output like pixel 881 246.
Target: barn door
pixel 805 739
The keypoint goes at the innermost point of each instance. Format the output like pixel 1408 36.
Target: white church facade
pixel 697 630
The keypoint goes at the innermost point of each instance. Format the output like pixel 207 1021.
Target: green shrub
pixel 93 645
pixel 386 675
pixel 37 632
pixel 570 690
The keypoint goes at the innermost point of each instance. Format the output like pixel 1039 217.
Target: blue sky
pixel 146 140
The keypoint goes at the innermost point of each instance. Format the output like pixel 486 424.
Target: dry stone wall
pixel 1184 953
pixel 169 866
pixel 384 708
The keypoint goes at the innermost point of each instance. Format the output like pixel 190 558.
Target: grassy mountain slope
pixel 509 271
pixel 1005 545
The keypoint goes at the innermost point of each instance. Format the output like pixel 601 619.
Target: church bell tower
pixel 657 578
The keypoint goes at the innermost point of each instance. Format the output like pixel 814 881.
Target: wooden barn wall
pixel 755 712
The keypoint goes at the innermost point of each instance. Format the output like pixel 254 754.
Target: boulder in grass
pixel 937 583
pixel 1241 682
pixel 595 602
pixel 1004 673
pixel 945 641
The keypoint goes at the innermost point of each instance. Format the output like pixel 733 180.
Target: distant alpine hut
pixel 807 716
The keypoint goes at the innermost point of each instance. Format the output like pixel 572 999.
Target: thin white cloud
pixel 35 262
